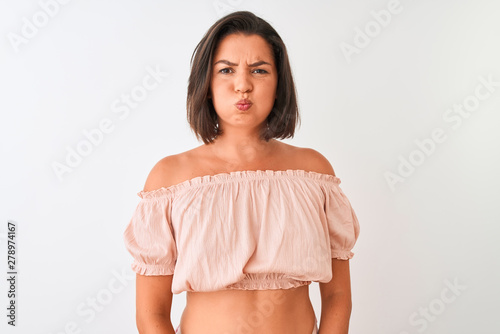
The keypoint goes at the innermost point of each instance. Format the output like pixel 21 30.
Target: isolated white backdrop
pixel 370 87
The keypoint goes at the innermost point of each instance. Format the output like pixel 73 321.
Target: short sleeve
pixel 149 237
pixel 342 222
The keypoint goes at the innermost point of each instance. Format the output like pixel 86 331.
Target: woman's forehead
pixel 250 49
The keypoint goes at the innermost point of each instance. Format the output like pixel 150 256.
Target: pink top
pixel 252 230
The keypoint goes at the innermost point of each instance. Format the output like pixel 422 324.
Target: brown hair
pixel 201 114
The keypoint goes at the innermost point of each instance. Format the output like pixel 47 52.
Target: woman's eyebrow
pixel 227 62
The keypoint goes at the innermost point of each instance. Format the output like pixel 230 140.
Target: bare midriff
pixel 249 311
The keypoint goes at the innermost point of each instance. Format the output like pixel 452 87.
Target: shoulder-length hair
pixel 201 114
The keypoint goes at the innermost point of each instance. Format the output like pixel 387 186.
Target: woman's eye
pixel 223 71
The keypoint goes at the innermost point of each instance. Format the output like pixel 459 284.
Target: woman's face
pixel 243 68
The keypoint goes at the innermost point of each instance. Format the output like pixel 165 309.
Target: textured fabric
pixel 252 230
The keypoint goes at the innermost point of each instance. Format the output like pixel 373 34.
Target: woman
pixel 243 223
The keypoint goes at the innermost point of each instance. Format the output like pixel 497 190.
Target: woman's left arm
pixel 336 303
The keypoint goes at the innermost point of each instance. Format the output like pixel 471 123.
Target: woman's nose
pixel 242 82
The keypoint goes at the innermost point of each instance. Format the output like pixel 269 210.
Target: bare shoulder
pixel 163 173
pixel 314 161
pixel 171 170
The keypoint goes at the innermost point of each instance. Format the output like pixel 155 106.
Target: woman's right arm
pixel 154 293
pixel 153 304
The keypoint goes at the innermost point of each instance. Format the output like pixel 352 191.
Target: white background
pixel 363 111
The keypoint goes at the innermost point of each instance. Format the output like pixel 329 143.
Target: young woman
pixel 243 223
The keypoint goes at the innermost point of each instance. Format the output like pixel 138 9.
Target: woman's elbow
pixel 154 324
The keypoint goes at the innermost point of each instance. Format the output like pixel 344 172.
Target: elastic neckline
pixel 235 176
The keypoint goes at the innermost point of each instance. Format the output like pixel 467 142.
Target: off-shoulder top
pixel 252 230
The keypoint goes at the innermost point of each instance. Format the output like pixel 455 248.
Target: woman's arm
pixel 153 304
pixel 336 304
pixel 154 293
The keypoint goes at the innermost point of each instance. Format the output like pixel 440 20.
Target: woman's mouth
pixel 243 106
